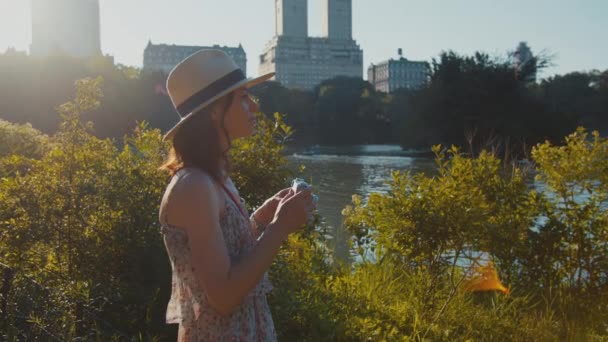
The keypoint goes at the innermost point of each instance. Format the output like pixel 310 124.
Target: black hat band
pixel 210 91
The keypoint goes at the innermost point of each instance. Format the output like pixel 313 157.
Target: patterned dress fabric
pixel 189 307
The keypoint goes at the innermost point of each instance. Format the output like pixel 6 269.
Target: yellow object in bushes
pixel 485 279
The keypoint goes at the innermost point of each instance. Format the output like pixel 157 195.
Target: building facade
pixel 291 18
pixel 391 75
pixel 303 62
pixel 337 19
pixel 164 57
pixel 65 27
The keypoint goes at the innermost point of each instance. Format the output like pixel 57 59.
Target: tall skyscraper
pixel 65 27
pixel 291 18
pixel 303 62
pixel 337 19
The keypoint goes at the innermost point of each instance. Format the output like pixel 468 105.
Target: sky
pixel 575 32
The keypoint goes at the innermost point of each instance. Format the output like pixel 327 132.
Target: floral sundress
pixel 189 307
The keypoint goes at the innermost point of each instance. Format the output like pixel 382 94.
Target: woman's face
pixel 239 118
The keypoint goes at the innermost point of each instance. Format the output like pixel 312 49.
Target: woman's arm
pixel 257 228
pixel 262 217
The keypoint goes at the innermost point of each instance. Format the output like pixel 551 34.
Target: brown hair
pixel 197 144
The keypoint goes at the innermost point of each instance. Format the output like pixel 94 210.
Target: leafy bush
pixel 82 223
pixel 548 241
pixel 23 140
pixel 79 231
pixel 259 167
pixel 20 146
pixel 569 252
pixel 80 228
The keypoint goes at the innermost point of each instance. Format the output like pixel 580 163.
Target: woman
pixel 219 255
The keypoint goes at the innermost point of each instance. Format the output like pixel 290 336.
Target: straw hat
pixel 202 78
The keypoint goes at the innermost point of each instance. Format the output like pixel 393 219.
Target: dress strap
pixel 233 198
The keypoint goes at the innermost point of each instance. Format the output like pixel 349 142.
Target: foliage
pixel 32 88
pixel 549 241
pixel 258 165
pixel 432 222
pixel 476 100
pixel 300 301
pixel 20 147
pixel 295 104
pixel 81 222
pixel 470 100
pixel 582 93
pixel 80 228
pixel 570 250
pixel 381 302
pixel 349 111
pixel 23 140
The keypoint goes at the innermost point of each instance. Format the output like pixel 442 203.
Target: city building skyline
pixel 303 62
pixel 568 30
pixel 164 57
pixel 401 73
pixel 337 19
pixel 291 17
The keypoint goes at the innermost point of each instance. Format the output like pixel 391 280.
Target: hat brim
pixel 247 83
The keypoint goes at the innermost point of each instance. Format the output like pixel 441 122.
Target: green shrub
pixel 549 242
pixel 79 227
pixel 569 252
pixel 22 140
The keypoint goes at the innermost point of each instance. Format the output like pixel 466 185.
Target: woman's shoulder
pixel 192 174
pixel 192 181
pixel 189 189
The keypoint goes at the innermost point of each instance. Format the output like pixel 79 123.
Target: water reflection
pixel 337 173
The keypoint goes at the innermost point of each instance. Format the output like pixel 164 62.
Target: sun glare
pixel 15 24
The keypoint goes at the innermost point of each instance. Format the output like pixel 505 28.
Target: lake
pixel 336 173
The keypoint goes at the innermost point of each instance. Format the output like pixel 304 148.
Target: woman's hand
pixel 293 211
pixel 265 213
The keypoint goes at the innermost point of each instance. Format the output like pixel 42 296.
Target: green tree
pixel 32 87
pixel 23 140
pixel 296 105
pixel 579 95
pixel 348 111
pixel 479 101
pixel 20 147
